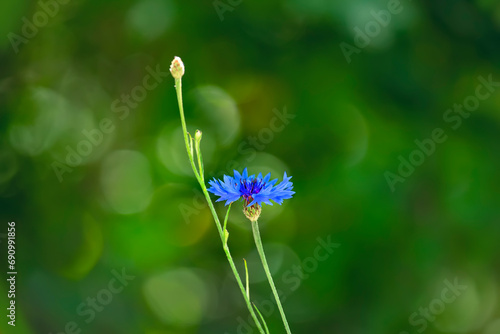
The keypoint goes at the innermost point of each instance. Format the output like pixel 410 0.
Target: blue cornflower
pixel 254 190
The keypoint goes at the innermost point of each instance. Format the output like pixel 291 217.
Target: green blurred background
pixel 131 202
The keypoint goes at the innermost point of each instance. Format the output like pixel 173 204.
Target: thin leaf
pixel 246 272
pixel 226 233
pixel 261 318
pixel 191 144
pixel 199 157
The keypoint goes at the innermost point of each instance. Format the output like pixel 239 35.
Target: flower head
pixel 254 190
pixel 252 212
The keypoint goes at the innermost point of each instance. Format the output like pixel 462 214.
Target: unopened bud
pixel 197 136
pixel 177 68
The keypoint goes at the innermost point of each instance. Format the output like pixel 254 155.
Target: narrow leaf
pixel 226 233
pixel 261 318
pixel 246 273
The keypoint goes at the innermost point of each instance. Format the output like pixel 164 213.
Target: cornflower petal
pixel 254 190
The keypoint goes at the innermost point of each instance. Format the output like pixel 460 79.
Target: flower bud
pixel 177 68
pixel 252 212
pixel 197 136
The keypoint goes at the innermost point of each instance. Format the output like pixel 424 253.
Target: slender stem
pixel 230 258
pixel 187 141
pixel 200 178
pixel 260 250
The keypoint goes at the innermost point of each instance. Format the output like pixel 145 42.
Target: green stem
pixel 189 144
pixel 230 258
pixel 260 250
pixel 200 178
